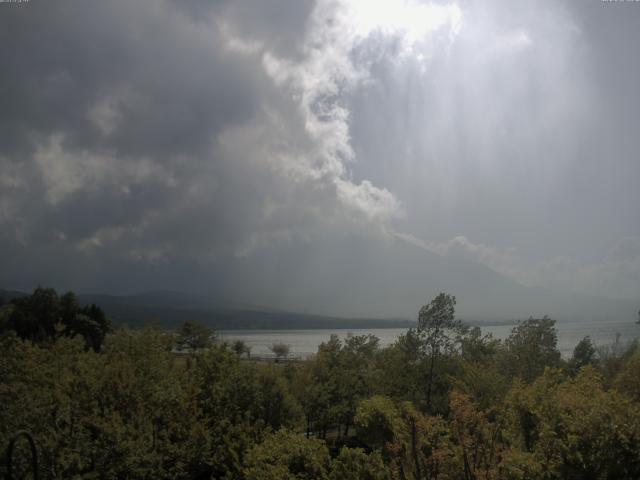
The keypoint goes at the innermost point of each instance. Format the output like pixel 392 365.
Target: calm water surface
pixel 305 342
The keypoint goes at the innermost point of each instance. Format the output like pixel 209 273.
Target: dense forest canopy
pixel 443 402
pixel 44 315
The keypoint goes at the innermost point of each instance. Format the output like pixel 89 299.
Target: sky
pixel 155 144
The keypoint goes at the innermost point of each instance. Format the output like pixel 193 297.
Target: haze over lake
pixel 304 343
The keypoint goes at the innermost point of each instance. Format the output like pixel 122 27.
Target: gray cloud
pixel 153 133
pixel 155 144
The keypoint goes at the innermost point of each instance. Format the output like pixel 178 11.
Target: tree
pixel 89 321
pixel 477 371
pixel 478 348
pixel 194 336
pixel 319 388
pixel 478 448
pixel 377 422
pixel 422 447
pixel 273 403
pixel 355 464
pixel 335 381
pixel 240 347
pixel 68 308
pixel 532 346
pixel 484 382
pixel 401 369
pixel 34 317
pixel 612 357
pixel 439 333
pixel 5 313
pixel 628 380
pixel 239 402
pixel 288 456
pixel 280 350
pixel 573 428
pixel 354 375
pixel 584 354
pixel 44 316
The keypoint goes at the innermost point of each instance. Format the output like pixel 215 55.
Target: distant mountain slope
pixel 170 309
pixel 7 295
pixel 350 277
pixel 333 282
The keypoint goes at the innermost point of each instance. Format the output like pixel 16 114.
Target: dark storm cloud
pixel 110 124
pixel 145 138
pixel 168 85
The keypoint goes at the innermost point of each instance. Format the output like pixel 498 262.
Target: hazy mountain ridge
pixel 392 278
pixel 386 281
pixel 170 309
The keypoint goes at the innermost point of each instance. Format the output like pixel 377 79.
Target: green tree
pixel 440 333
pixel 288 456
pixel 628 380
pixel 96 329
pixel 377 422
pixel 531 346
pixel 484 382
pixel 43 316
pixel 274 404
pixel 5 313
pixel 322 398
pixel 35 317
pixel 477 371
pixel 583 354
pixel 126 412
pixel 422 447
pixel 333 383
pixel 355 464
pixel 400 369
pixel 68 308
pixel 194 336
pixel 240 402
pixel 477 440
pixel 90 321
pixel 280 350
pixel 240 347
pixel 478 348
pixel 612 357
pixel 573 428
pixel 355 375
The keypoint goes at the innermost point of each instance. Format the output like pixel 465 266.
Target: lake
pixel 304 343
